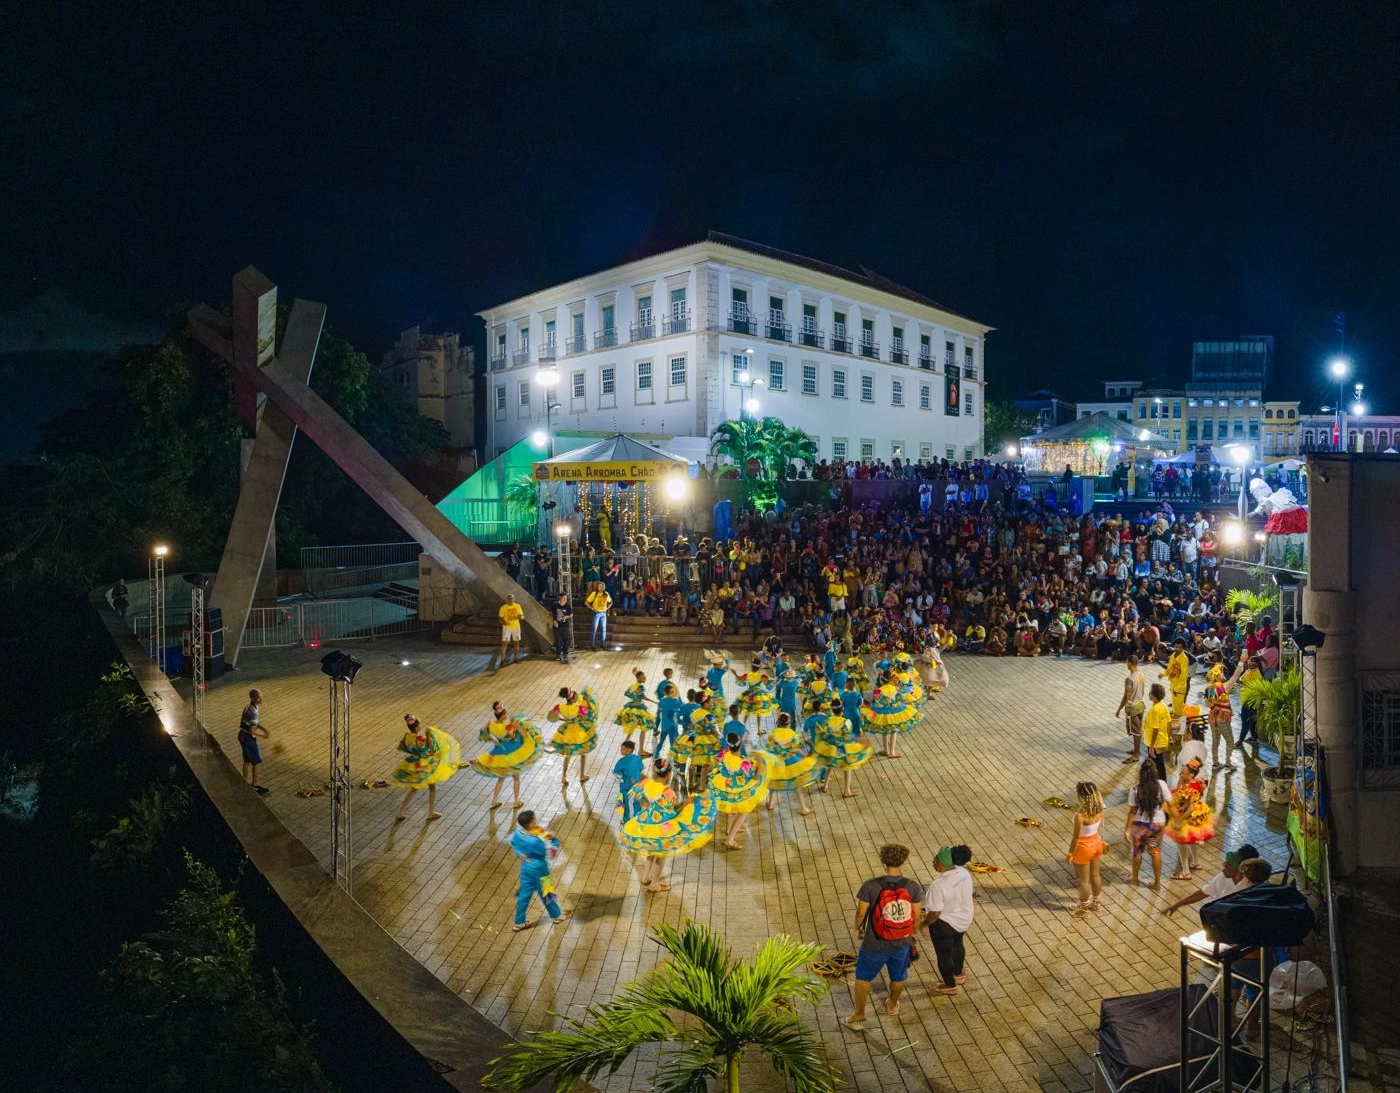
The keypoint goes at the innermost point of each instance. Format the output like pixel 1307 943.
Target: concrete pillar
pixel 1334 613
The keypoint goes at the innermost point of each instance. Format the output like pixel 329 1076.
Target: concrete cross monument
pixel 273 397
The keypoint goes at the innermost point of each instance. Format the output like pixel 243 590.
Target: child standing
pixel 628 770
pixel 668 708
pixel 535 848
pixel 736 730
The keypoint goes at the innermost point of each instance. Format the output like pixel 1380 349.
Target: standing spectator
pixel 598 601
pixel 884 924
pixel 510 615
pixel 1132 706
pixel 250 731
pixel 948 915
pixel 1156 727
pixel 121 599
pixel 1147 816
pixel 562 616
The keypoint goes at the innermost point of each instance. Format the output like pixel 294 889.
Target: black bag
pixel 1263 914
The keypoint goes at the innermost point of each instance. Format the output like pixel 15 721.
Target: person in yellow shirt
pixel 510 615
pixel 1178 677
pixel 836 592
pixel 1156 728
pixel 598 601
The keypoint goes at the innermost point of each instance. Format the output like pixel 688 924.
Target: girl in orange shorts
pixel 1086 847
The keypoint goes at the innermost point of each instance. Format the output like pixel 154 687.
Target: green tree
pixel 712 1005
pixel 767 440
pixel 1277 704
pixel 1003 424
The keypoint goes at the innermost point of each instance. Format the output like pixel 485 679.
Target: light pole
pixel 1340 368
pixel 199 583
pixel 748 403
pixel 548 378
pixel 342 669
pixel 1241 456
pixel 155 572
pixel 563 530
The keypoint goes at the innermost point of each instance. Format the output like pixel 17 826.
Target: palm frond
pixel 688 1070
pixel 795 1052
pixel 773 973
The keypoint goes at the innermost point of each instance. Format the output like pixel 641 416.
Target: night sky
pixel 1103 182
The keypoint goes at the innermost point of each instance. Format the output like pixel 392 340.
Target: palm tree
pixel 521 498
pixel 703 999
pixel 787 443
pixel 1277 703
pixel 1249 606
pixel 741 441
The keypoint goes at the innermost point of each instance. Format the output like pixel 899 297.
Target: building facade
pixel 439 373
pixel 1278 433
pixel 1117 400
pixel 1223 403
pixel 1367 433
pixel 676 343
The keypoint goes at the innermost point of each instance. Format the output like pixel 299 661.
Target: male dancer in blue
pixel 838 679
pixel 629 772
pixel 668 709
pixel 786 692
pixel 534 847
pixel 851 699
pixel 735 727
pixel 714 675
pixel 829 659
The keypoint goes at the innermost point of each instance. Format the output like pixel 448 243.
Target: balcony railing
pixel 926 362
pixel 840 343
pixel 969 370
pixel 870 349
pixel 520 356
pixel 577 344
pixel 604 339
pixel 813 339
pixel 949 360
pixel 548 351
pixel 779 332
pixel 643 331
pixel 498 362
pixel 678 323
pixel 898 356
pixel 741 322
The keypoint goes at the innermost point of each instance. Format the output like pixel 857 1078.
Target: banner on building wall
pixel 607 472
pixel 952 390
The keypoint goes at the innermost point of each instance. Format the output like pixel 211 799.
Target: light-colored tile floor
pixel 1005 735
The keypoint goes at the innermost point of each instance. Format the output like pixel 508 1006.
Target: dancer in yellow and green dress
pixel 815 696
pixel 906 675
pixel 430 756
pixel 577 734
pixel 515 745
pixel 888 714
pixel 792 766
pixel 739 784
pixel 635 716
pixel 698 744
pixel 839 747
pixel 661 827
pixel 855 668
pixel 756 699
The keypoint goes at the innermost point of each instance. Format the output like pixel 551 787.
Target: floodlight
pixel 341 666
pixel 1308 637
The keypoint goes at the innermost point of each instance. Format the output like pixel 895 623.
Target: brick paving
pixel 1006 734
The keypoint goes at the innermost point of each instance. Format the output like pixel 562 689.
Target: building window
pixel 867 387
pixel 677 371
pixel 925 397
pixel 607 380
pixel 948 452
pixel 738 365
pixel 739 304
pixel 1176 408
pixel 897 393
pixel 644 375
pixel 549 333
pixel 1142 411
pixel 579 381
pixel 925 453
pixel 896 449
pixel 1176 436
pixel 500 401
pixel 776 378
pixel 838 383
pixel 967 402
pixel 867 450
pixel 1192 402
pixel 809 379
pixel 1380 729
pixel 524 335
pixel 576 344
pixel 867 332
pixel 1253 427
pixel 838 448
pixel 1239 427
pixel 524 396
pixel 1191 431
pixel 1208 429
pixel 967 455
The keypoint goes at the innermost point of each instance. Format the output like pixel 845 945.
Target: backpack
pixel 892 915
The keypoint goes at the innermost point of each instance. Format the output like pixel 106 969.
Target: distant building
pixel 678 342
pixel 1278 433
pixel 439 372
pixel 1222 404
pixel 1117 403
pixel 1048 407
pixel 1367 433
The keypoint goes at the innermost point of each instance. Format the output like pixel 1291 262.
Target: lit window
pixel 809 379
pixel 925 452
pixel 677 371
pixel 644 375
pixel 738 365
pixel 838 383
pixel 776 379
pixel 896 449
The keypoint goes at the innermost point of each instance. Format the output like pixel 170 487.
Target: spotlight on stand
pixel 196 580
pixel 1308 638
pixel 1284 579
pixel 340 666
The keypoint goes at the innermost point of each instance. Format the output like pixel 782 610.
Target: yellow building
pixel 1278 434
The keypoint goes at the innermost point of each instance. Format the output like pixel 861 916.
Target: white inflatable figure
pixel 1283 515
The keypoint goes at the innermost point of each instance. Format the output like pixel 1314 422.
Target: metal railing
pixel 605 339
pixel 742 323
pixel 359 555
pixel 840 343
pixel 812 339
pixel 678 323
pixel 488 521
pixel 779 332
pixel 498 362
pixel 577 344
pixel 548 351
pixel 520 356
pixel 870 349
pixel 643 331
pixel 926 362
pixel 313 623
pixel 899 356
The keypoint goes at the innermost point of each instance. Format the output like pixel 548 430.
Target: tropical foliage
pixel 712 1006
pixel 521 498
pixel 1003 424
pixel 774 445
pixel 1277 704
pixel 1249 606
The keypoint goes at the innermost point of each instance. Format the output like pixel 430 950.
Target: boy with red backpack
pixel 887 913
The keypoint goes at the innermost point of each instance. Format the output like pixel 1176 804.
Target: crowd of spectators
pixel 967 560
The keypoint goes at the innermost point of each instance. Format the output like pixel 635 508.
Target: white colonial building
pixel 676 343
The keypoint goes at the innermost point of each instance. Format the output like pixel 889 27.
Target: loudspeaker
pixel 1263 914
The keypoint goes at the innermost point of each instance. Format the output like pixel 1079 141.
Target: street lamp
pixel 548 378
pixel 1340 368
pixel 1012 451
pixel 155 572
pixel 747 384
pixel 1242 456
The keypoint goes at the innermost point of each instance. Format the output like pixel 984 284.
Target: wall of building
pixel 1353 597
pixel 854 404
pixel 439 373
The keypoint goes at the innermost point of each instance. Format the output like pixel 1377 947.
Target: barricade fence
pixel 309 623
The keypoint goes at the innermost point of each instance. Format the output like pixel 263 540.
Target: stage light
pixel 341 666
pixel 1307 637
pixel 539 438
pixel 675 488
pixel 161 550
pixel 1232 534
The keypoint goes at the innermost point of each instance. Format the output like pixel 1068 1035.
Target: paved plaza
pixel 1005 735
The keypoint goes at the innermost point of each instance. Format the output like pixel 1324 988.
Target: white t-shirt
pixel 1158 817
pixel 1192 749
pixel 950 894
pixel 1220 885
